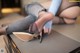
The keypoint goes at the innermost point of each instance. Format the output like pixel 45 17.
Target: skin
pixel 71 12
pixel 45 18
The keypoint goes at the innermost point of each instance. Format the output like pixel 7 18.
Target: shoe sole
pixel 24 36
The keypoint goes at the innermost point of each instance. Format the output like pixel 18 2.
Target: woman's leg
pixel 34 8
pixel 40 22
pixel 70 14
pixel 20 25
pixel 62 20
pixel 68 11
pixel 43 20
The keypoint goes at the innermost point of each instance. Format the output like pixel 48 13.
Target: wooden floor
pixel 2 45
pixel 7 20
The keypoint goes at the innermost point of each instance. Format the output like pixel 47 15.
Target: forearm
pixel 55 4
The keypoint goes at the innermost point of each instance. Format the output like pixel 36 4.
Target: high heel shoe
pixel 28 36
pixel 40 35
pixel 24 36
pixel 31 35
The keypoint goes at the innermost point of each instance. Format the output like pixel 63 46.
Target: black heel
pixel 41 36
pixel 34 30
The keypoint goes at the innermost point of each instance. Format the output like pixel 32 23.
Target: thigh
pixel 66 4
pixel 69 11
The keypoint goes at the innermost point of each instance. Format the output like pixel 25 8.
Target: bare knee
pixel 70 13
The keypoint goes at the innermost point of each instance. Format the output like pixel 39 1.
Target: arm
pixel 55 6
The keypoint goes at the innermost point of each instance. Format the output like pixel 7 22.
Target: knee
pixel 71 12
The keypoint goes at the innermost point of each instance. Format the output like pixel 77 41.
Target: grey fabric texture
pixel 21 25
pixel 34 8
